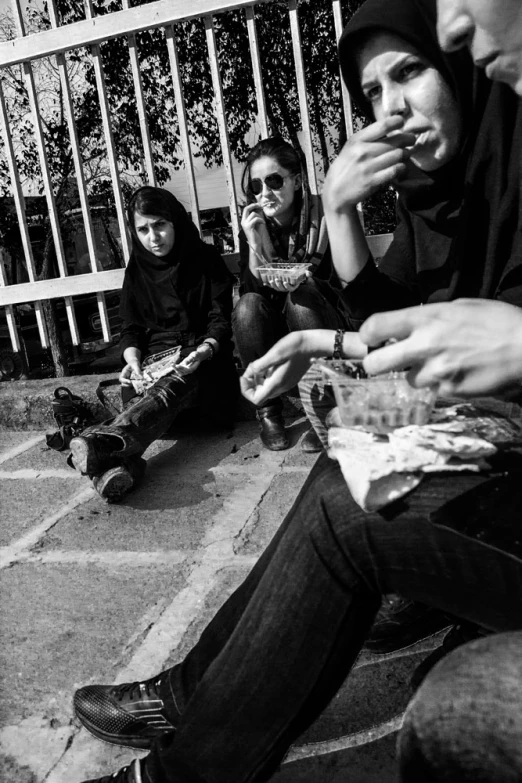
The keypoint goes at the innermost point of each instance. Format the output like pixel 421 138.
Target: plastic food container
pixel 379 403
pixel 283 272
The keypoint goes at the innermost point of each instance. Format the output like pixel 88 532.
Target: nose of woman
pixel 393 101
pixel 266 189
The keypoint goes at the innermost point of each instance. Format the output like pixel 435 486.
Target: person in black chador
pixel 177 292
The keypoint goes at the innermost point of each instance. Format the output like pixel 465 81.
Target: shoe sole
pixel 80 455
pixel 397 646
pixel 113 488
pixel 139 743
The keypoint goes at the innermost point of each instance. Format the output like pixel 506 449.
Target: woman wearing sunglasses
pixel 281 221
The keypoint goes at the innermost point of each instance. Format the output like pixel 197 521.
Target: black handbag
pixel 72 415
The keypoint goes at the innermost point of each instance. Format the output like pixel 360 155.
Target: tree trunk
pixel 56 342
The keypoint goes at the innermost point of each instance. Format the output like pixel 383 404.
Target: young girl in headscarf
pixel 177 291
pixel 282 221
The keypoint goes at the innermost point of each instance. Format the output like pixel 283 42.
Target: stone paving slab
pixel 68 623
pixel 23 500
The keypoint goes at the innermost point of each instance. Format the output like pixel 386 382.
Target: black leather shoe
pixel 132 714
pixel 273 433
pixel 311 443
pixel 130 774
pixel 401 623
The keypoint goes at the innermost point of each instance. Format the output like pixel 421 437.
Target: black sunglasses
pixel 273 181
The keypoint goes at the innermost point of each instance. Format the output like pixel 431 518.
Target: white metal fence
pixel 26 49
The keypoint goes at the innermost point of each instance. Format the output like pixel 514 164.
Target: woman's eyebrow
pixel 369 83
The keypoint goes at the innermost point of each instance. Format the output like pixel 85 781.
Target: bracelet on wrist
pixel 338 344
pixel 212 349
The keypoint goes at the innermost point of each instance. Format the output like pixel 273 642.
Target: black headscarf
pixel 156 291
pixel 468 211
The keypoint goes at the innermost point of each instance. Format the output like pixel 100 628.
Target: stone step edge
pixel 26 405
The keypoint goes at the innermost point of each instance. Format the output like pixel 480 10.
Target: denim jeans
pixel 318 401
pixel 464 724
pixel 259 323
pixel 147 417
pixel 279 649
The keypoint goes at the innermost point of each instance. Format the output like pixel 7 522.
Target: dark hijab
pixel 154 289
pixel 465 215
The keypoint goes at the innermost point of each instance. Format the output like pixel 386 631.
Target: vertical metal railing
pixel 46 174
pixel 301 91
pixel 24 231
pixel 256 69
pixel 78 170
pixel 140 103
pixel 222 126
pixel 183 124
pixel 109 138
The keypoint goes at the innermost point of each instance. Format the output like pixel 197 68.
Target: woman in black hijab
pixel 459 231
pixel 177 291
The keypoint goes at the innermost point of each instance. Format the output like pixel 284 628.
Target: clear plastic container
pixel 283 272
pixel 379 403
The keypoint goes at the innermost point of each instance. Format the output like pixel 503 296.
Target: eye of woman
pixel 372 93
pixel 411 69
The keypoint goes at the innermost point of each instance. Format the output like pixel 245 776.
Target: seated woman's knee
pixel 465 721
pixel 249 309
pixel 301 303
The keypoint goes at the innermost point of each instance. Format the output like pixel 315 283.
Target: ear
pixel 298 182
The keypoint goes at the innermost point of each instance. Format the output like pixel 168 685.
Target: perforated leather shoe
pixel 132 714
pixel 129 774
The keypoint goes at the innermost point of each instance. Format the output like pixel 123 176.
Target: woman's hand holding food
pixel 285 286
pixel 372 157
pixel 278 370
pixel 133 367
pixel 256 233
pixel 283 366
pixel 469 347
pixel 191 362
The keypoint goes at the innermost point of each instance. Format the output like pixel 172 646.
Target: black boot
pixel 114 483
pixel 273 434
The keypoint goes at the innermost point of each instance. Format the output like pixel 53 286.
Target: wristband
pixel 212 349
pixel 338 344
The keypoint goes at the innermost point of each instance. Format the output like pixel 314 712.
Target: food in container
pixel 283 272
pixel 379 403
